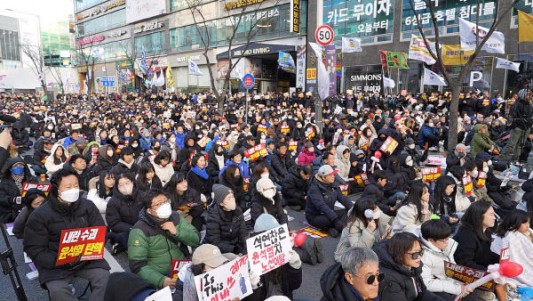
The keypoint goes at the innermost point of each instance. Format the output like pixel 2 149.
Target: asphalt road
pixel 309 290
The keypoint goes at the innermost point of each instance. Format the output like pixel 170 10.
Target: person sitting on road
pixel 163 167
pixel 356 277
pixel 321 198
pixel 361 230
pixel 123 212
pixel 438 248
pixel 415 210
pixel 159 236
pixel 78 164
pixel 12 177
pixel 64 209
pixel 55 161
pixel 186 200
pixel 102 193
pixel 126 164
pixel 267 200
pixel 225 226
pixel 146 178
pixel 376 192
pixel 295 186
pixel 33 199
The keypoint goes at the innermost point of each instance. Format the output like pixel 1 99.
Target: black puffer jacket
pixel 321 199
pixel 528 198
pixel 200 184
pixel 472 251
pixel 294 188
pixel 335 288
pixel 83 178
pixel 290 277
pixel 521 115
pixel 280 165
pixel 498 193
pixel 226 229
pixel 261 205
pixel 399 282
pixel 9 209
pixel 121 168
pixel 43 231
pixel 378 195
pixel 123 211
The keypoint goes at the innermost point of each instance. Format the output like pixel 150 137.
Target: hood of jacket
pixel 89 146
pixel 334 287
pixel 5 171
pixel 340 150
pixel 54 148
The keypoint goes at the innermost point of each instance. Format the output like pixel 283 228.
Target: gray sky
pixel 47 9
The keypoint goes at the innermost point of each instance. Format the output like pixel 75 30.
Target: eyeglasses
pixel 416 255
pixel 160 204
pixel 372 278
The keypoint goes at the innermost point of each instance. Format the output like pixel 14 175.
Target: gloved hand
pixel 255 280
pixel 73 265
pixel 339 225
pixel 294 260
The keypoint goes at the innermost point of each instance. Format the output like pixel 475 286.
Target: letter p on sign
pixel 475 76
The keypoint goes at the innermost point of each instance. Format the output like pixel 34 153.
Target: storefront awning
pixel 254 49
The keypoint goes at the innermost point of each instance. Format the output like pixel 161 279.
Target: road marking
pixel 113 263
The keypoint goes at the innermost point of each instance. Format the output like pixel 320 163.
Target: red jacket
pixel 306 157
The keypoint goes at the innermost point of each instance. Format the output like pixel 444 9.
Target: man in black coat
pixel 521 118
pixel 78 164
pixel 13 175
pixel 126 164
pixel 295 185
pixel 377 193
pixel 63 210
pixel 281 162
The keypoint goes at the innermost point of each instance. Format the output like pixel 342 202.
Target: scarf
pixel 126 164
pixel 200 172
pixel 18 180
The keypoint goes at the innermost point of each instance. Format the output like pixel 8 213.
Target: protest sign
pixel 293 146
pixel 269 250
pixel 164 294
pixel 187 207
pixel 505 255
pixel 262 128
pixel 389 145
pixel 481 179
pixel 436 160
pixel 256 152
pixel 468 185
pixel 285 129
pixel 28 185
pixel 177 265
pixel 361 179
pixel 87 242
pixel 228 281
pixel 246 183
pixel 310 133
pixel 430 174
pixel 312 232
pixel 466 275
pixel 203 141
pixel 344 188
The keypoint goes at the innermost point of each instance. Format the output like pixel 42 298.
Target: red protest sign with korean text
pixel 269 250
pixel 256 152
pixel 389 145
pixel 293 146
pixel 344 188
pixel 466 275
pixel 41 186
pixel 361 179
pixel 481 179
pixel 88 242
pixel 431 174
pixel 177 265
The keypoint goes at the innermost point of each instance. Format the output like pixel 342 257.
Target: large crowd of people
pixel 173 176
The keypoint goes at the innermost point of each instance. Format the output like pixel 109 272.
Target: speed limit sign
pixel 324 35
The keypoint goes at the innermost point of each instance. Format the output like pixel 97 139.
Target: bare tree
pixel 202 28
pixel 35 55
pixel 456 83
pixel 88 59
pixel 129 55
pixel 55 71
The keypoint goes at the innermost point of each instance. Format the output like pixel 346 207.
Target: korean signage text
pixel 85 242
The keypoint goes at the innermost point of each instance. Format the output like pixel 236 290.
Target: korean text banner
pixel 85 242
pixel 269 250
pixel 359 18
pixel 453 55
pixel 447 12
pixel 397 60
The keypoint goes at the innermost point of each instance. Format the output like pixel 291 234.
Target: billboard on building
pixel 367 78
pixel 359 17
pixel 137 10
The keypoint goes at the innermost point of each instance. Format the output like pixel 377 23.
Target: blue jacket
pixel 243 168
pixel 426 131
pixel 146 143
pixel 180 139
pixel 68 142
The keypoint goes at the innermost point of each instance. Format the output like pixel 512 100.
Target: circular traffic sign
pixel 324 35
pixel 248 81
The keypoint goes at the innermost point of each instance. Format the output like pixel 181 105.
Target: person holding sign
pixel 33 199
pixel 356 277
pixel 186 200
pixel 281 281
pixel 321 198
pixel 159 236
pixel 13 176
pixel 225 226
pixel 267 200
pixel 42 238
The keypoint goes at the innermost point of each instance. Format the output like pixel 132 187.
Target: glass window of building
pixel 83 4
pixel 9 45
pixel 109 21
pixel 153 43
pixel 176 5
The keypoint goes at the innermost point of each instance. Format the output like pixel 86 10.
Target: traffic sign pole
pixel 248 81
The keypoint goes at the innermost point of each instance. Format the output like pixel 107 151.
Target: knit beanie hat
pixel 265 222
pixel 220 192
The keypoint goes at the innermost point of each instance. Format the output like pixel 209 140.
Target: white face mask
pixel 377 214
pixel 475 173
pixel 50 127
pixel 172 140
pixel 265 175
pixel 486 169
pixel 164 211
pixel 110 153
pixel 134 145
pixel 70 195
pixel 411 146
pixel 409 162
pixel 489 162
pixel 126 190
pixel 431 124
pixel 269 193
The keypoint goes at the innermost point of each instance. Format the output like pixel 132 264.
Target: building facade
pixel 111 37
pixel 389 24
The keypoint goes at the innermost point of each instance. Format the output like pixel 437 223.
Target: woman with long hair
pixel 103 191
pixel 147 179
pixel 365 223
pixel 232 178
pixel 443 200
pixel 186 199
pixel 55 161
pixel 415 209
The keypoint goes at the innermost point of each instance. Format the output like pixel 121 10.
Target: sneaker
pixel 433 149
pixel 115 249
pixel 333 232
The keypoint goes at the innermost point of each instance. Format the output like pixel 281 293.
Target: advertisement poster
pixel 331 63
pixel 368 78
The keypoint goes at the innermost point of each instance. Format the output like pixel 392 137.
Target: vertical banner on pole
pixel 301 57
pixel 331 67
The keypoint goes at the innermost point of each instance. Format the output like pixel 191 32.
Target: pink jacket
pixel 305 158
